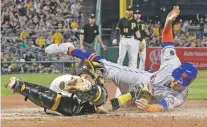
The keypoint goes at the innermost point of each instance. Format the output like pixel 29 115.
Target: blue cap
pixel 185 74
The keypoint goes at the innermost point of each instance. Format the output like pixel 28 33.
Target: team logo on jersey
pixel 184 75
pixel 154 58
pixel 172 52
pixel 95 31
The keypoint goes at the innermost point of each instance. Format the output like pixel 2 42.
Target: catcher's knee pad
pixel 69 106
pixel 73 106
pixel 97 95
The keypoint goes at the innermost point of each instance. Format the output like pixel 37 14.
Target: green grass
pixel 197 90
pixel 41 79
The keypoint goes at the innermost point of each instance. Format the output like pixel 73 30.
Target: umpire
pixel 144 33
pixel 127 27
pixel 88 33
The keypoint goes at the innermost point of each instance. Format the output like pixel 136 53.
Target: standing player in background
pixel 142 44
pixel 127 26
pixel 88 33
pixel 169 85
pixel 128 29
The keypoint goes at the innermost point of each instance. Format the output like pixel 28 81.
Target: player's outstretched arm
pixel 167 35
pixel 143 105
pixel 69 49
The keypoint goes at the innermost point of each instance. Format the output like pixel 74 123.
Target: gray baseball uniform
pixel 125 78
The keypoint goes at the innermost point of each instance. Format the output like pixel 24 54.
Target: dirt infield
pixel 17 112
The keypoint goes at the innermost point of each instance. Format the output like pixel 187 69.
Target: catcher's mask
pixel 93 71
pixel 185 74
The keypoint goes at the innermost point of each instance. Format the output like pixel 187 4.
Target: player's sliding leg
pixel 45 97
pixel 68 48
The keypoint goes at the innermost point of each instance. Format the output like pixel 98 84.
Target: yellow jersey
pixel 74 25
pixel 57 37
pixel 40 42
pixel 176 27
pixel 156 31
pixel 24 34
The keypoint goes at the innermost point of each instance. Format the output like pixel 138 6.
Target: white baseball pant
pixel 142 57
pixel 129 45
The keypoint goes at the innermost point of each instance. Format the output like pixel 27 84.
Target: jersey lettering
pixel 143 27
pixel 133 25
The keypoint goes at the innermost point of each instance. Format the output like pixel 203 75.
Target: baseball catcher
pixel 169 85
pixel 68 94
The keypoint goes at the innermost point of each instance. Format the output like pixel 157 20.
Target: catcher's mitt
pixel 141 47
pixel 76 85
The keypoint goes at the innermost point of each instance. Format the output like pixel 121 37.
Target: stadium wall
pixel 198 56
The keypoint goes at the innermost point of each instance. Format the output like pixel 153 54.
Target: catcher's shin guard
pixel 47 98
pixel 40 95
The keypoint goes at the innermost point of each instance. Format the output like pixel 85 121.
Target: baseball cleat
pixel 12 83
pixel 58 48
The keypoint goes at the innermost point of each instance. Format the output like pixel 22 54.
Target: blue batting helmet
pixel 185 74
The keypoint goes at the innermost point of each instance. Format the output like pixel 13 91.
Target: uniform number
pixel 125 30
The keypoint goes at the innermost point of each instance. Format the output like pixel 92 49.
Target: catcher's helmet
pixel 185 74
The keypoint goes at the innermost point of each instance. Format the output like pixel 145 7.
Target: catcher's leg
pixel 45 97
pixel 67 48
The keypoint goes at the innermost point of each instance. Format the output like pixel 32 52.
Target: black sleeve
pixel 83 30
pixel 119 26
pixel 117 32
